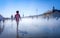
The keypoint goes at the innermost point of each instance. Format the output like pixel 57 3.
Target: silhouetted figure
pixel 23 15
pixel 1 17
pixel 23 32
pixel 17 16
pixel 11 17
pixel 3 20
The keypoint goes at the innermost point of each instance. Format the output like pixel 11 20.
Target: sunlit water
pixel 31 28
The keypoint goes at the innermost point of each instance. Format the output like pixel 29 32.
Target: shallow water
pixel 31 28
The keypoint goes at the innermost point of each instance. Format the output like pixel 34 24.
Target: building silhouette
pixel 54 13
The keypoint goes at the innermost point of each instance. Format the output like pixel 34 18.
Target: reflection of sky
pixel 33 27
pixel 28 7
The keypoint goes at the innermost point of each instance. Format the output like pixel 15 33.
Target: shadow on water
pixel 1 27
pixel 22 33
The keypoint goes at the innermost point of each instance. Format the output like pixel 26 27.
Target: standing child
pixel 17 17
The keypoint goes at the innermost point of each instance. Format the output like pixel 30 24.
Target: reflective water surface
pixel 31 28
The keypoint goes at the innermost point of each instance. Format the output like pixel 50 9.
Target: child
pixel 17 16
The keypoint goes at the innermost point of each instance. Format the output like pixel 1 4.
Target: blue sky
pixel 27 7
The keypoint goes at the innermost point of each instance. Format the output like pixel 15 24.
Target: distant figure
pixel 3 20
pixel 23 15
pixel 12 17
pixel 17 16
pixel 1 17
